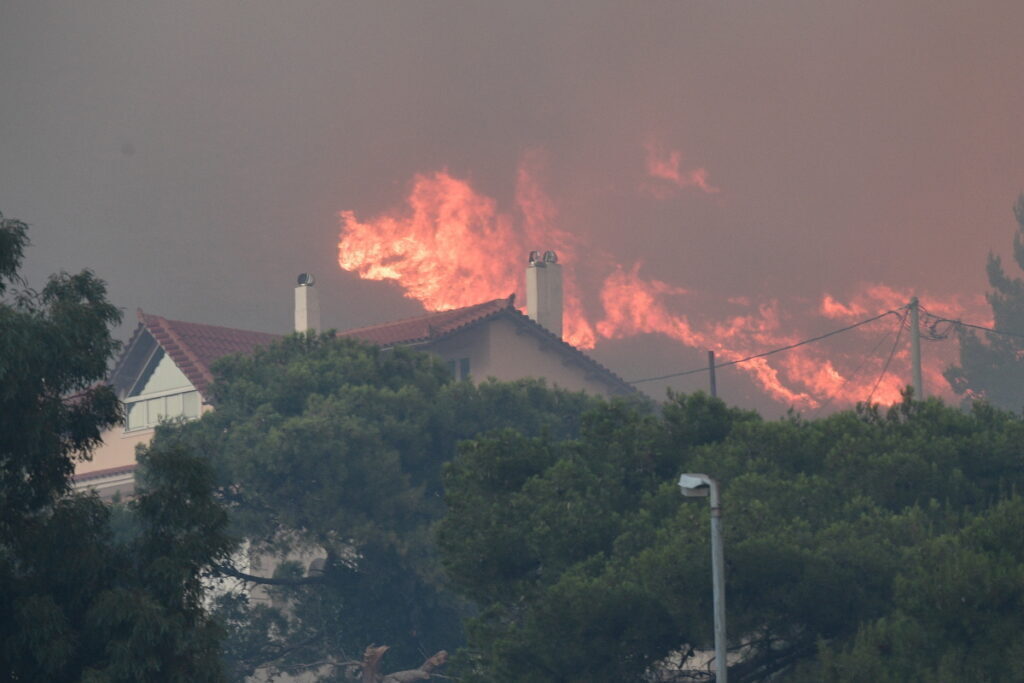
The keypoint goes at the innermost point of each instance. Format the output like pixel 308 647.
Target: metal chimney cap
pixel 534 257
pixel 550 257
pixel 306 280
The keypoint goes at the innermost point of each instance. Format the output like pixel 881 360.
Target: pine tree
pixel 992 365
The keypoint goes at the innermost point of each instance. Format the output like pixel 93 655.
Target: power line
pixel 961 323
pixel 867 359
pixel 892 352
pixel 773 351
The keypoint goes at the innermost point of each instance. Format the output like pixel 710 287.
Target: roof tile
pixel 195 347
pixel 430 326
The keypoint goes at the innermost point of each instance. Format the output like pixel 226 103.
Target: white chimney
pixel 307 307
pixel 544 291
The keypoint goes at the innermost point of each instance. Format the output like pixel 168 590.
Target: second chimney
pixel 544 291
pixel 307 307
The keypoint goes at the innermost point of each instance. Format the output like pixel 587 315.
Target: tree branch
pixel 266 580
pixel 284 650
pixel 760 667
pixel 423 673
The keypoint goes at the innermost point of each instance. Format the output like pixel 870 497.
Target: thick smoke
pixel 197 155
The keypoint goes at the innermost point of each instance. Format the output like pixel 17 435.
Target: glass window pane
pixel 137 415
pixel 463 368
pixel 190 404
pixel 156 410
pixel 174 408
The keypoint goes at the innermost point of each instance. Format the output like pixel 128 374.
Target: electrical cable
pixel 868 357
pixel 961 323
pixel 892 352
pixel 929 326
pixel 773 351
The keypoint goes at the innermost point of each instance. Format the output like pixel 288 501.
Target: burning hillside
pixel 449 246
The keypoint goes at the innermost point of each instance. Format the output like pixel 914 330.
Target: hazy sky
pixel 196 153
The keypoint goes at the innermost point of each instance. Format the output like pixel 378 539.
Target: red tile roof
pixel 194 347
pixel 434 326
pixel 431 326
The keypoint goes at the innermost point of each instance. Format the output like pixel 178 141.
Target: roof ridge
pixel 174 336
pixel 179 345
pixel 523 318
pixel 142 315
pixel 431 330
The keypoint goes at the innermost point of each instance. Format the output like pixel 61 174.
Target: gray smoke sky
pixel 196 153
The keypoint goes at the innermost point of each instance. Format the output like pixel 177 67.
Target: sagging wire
pixel 930 326
pixel 951 324
pixel 895 311
pixel 867 358
pixel 892 352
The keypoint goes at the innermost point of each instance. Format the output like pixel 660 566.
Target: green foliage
pixel 561 543
pixel 588 565
pixel 958 610
pixel 332 449
pixel 992 365
pixel 77 600
pixel 52 344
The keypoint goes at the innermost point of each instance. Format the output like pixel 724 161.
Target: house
pixel 164 371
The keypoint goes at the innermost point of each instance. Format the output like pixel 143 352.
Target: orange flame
pixel 935 358
pixel 450 246
pixel 448 250
pixel 634 306
pixel 667 165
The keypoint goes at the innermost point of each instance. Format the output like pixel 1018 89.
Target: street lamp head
pixel 695 485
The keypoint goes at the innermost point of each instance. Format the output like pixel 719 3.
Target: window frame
pixel 156 395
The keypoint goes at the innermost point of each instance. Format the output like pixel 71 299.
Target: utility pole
pixel 711 374
pixel 915 348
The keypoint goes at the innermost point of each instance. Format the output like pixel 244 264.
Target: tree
pixel 77 600
pixel 541 535
pixel 992 365
pixel 328 455
pixel 588 565
pixel 959 611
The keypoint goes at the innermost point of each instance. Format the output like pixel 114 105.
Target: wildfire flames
pixel 450 246
pixel 666 165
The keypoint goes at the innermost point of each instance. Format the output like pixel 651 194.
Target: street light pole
pixel 701 485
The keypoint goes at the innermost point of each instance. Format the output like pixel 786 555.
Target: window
pixel 459 368
pixel 162 392
pixel 145 412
